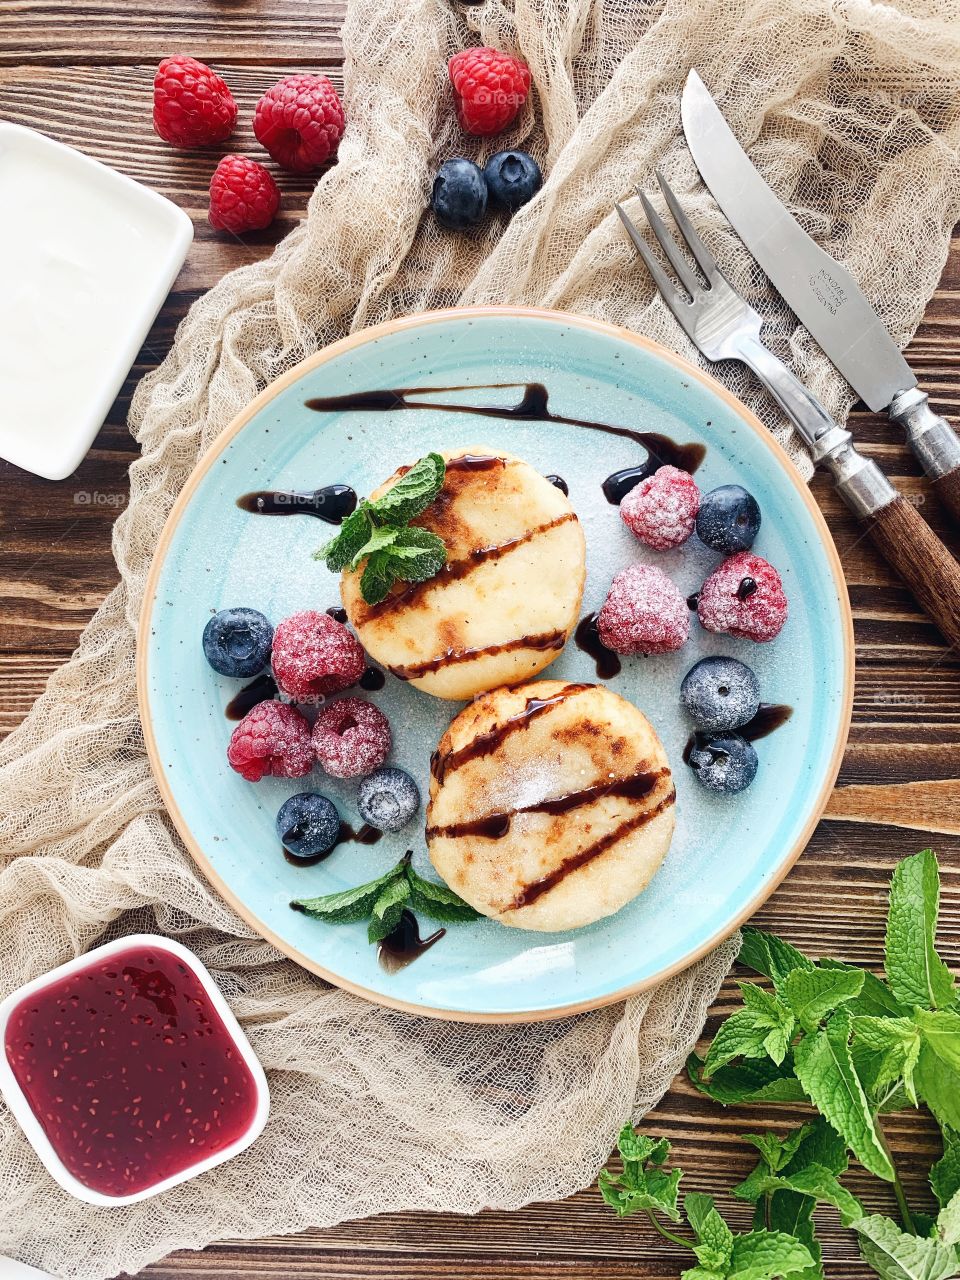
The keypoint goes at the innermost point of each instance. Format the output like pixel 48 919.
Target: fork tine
pixel 663 282
pixel 705 259
pixel 667 244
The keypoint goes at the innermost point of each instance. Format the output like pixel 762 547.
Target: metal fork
pixel 724 326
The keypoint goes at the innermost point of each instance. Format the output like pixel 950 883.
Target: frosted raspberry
pixel 271 741
pixel 662 509
pixel 744 597
pixel 314 655
pixel 351 738
pixel 644 612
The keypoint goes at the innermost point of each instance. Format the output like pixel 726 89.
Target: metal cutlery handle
pixel 900 534
pixel 935 443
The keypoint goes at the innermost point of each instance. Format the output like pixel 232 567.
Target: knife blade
pixel 822 294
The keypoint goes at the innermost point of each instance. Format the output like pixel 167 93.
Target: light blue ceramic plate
pixel 728 853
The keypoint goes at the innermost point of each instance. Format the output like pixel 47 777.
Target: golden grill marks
pixel 508 598
pixel 551 805
pixel 406 594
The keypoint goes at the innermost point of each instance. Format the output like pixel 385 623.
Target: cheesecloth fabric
pixel 852 111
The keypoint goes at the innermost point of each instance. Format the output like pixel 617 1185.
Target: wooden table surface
pixel 81 71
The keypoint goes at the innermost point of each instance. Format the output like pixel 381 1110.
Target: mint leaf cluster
pixel 382 902
pixel 380 533
pixel 854 1046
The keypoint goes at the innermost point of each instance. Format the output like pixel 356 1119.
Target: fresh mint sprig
pixel 856 1046
pixel 383 900
pixel 380 533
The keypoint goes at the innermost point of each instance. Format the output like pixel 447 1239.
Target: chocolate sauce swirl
pixel 545 640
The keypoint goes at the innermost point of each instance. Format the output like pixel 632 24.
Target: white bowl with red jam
pixel 128 1072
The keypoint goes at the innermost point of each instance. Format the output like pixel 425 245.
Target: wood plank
pixel 105 32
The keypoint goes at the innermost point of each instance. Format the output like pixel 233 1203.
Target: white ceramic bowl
pixel 17 1102
pixel 87 257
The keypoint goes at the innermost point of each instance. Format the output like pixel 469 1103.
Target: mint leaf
pixel 753 1081
pixel 770 955
pixel 821 1184
pixel 892 1047
pixel 945 1174
pixel 377 577
pixel 697 1206
pixel 761 1255
pixel 387 909
pixel 417 554
pixel 821 1145
pixel 643 1184
pixel 824 1067
pixel 948 1223
pixel 813 993
pixel 778 1152
pixel 941 1031
pixel 342 549
pixel 413 492
pixel 772 1014
pixel 875 998
pixel 714 1248
pixel 894 1255
pixel 438 901
pixel 793 1215
pixel 379 539
pixel 938 1086
pixel 739 1037
pixel 349 904
pixel 915 972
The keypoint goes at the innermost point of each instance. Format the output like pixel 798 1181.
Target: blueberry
pixel 459 195
pixel 237 642
pixel 308 825
pixel 388 799
pixel 513 178
pixel 728 519
pixel 725 764
pixel 720 693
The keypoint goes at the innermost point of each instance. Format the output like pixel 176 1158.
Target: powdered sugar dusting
pixel 351 738
pixel 662 510
pixel 644 612
pixel 744 597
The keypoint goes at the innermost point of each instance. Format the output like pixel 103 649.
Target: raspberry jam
pixel 130 1070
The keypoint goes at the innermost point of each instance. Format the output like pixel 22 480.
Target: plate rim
pixel 321 357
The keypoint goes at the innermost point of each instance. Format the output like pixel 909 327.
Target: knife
pixel 822 294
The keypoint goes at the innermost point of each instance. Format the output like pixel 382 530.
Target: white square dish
pixel 88 967
pixel 87 257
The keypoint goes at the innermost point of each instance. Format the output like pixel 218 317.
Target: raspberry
pixel 351 738
pixel 744 597
pixel 271 741
pixel 662 509
pixel 314 655
pixel 644 612
pixel 489 88
pixel 243 196
pixel 192 106
pixel 300 121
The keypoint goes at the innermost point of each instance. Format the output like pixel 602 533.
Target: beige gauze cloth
pixel 851 109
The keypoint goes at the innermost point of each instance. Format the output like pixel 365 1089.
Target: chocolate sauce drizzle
pixel 404 944
pixel 769 717
pixel 533 406
pixel 496 825
pixel 362 835
pixel 260 690
pixel 337 613
pixel 587 638
pixel 454 570
pixel 558 482
pixel 531 892
pixel 746 588
pixel 484 743
pixel 333 503
pixel 545 640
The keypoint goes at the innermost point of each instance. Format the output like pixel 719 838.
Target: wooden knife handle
pixel 947 489
pixel 909 545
